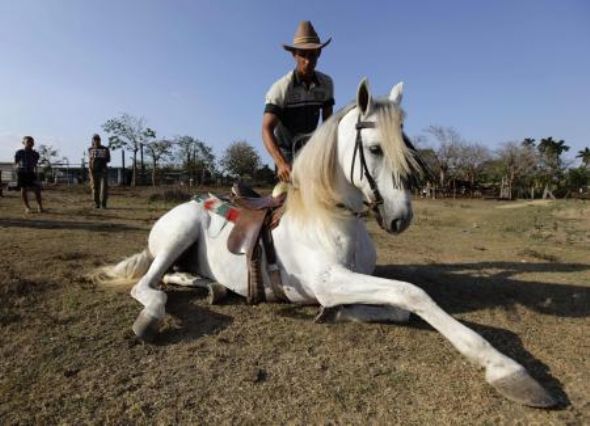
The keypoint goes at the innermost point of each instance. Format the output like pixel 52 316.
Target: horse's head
pixel 376 157
pixel 359 156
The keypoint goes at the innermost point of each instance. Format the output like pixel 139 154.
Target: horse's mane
pixel 314 193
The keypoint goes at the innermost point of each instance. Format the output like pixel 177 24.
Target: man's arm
pixel 108 159
pixel 269 122
pixel 327 112
pixel 90 160
pixel 328 106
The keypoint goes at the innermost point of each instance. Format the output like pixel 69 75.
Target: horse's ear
pixel 397 93
pixel 364 101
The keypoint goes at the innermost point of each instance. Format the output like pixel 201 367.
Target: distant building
pixel 76 174
pixel 7 172
pixel 64 173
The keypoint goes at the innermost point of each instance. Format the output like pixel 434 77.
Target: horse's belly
pixel 213 260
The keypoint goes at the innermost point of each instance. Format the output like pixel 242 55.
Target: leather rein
pixel 376 204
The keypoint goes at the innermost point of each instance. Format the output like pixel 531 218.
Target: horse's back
pixel 177 224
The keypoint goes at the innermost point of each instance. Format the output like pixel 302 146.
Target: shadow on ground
pixel 191 321
pixel 474 286
pixel 59 224
pixel 510 344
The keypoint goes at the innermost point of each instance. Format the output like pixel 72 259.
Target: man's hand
pixel 284 171
pixel 269 122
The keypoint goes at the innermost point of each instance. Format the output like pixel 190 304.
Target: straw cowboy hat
pixel 306 38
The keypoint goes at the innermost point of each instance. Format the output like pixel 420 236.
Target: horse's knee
pixel 417 300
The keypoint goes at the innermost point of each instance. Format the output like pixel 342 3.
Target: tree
pixel 578 178
pixel 265 175
pixel 129 133
pixel 551 163
pixel 430 160
pixel 450 142
pixel 47 156
pixel 518 163
pixel 205 161
pixel 185 146
pixel 471 159
pixel 585 156
pixel 241 159
pixel 528 142
pixel 530 166
pixel 196 157
pixel 157 151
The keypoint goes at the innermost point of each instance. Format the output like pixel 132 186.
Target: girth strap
pixel 252 236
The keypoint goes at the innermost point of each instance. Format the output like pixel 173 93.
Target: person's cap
pixel 96 137
pixel 306 38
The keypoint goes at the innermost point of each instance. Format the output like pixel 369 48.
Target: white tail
pixel 125 273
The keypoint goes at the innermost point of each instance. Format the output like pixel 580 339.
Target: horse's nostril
pixel 397 225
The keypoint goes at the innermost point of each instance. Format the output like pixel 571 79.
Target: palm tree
pixel 551 151
pixel 585 156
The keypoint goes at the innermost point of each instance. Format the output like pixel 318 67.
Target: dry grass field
pixel 518 273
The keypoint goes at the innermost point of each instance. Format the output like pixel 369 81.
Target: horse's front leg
pixel 339 286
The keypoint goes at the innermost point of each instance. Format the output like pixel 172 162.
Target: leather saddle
pixel 252 236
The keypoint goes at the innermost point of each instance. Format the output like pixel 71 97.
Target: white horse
pixel 324 252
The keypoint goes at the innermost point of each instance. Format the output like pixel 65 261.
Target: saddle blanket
pixel 218 206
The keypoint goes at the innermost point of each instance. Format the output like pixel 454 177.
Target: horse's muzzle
pixel 397 226
pixel 400 224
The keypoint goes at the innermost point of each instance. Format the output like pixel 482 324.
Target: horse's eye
pixel 376 150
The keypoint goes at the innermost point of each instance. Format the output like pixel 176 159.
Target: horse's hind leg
pixel 153 299
pixel 170 237
pixel 216 292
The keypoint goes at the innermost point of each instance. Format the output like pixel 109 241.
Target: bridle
pixel 376 204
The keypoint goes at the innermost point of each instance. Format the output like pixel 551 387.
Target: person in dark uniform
pixel 98 158
pixel 294 102
pixel 26 161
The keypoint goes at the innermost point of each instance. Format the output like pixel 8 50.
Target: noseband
pixel 376 204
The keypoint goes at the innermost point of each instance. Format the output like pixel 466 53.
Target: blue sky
pixel 494 70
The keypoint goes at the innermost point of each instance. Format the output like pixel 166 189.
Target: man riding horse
pixel 293 102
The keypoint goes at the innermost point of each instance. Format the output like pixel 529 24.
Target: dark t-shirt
pixel 298 107
pixel 99 157
pixel 26 160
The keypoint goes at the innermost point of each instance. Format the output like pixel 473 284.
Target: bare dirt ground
pixel 519 276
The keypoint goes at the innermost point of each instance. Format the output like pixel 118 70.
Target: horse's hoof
pixel 146 327
pixel 217 293
pixel 327 314
pixel 522 388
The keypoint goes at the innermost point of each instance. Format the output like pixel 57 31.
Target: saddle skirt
pixel 253 220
